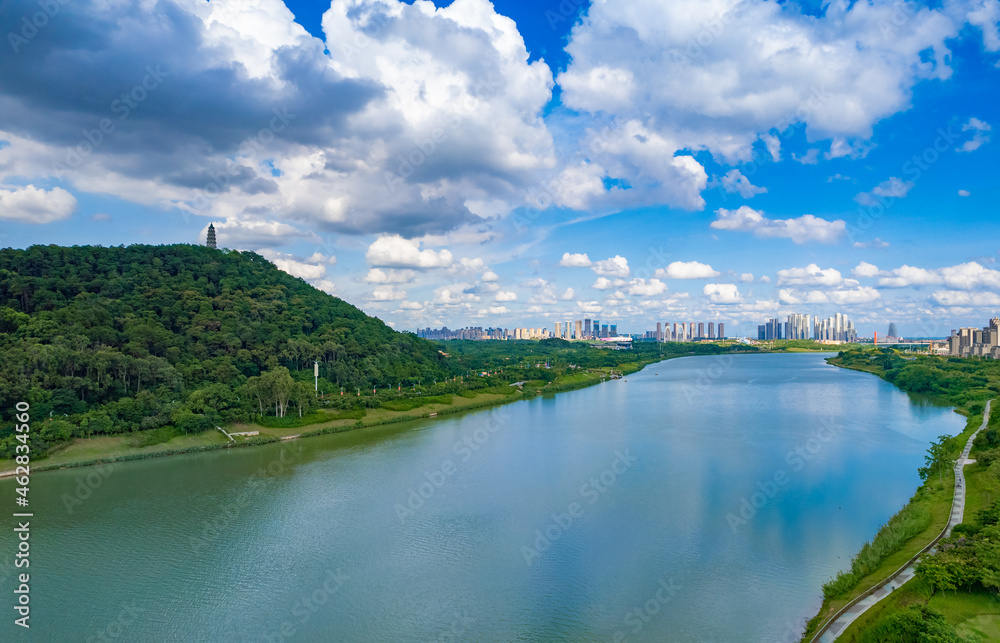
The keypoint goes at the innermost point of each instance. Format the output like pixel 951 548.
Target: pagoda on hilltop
pixel 210 242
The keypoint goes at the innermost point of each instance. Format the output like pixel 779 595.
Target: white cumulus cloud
pixel 734 181
pixel 577 260
pixel 506 295
pixel 966 276
pixel 811 275
pixel 296 266
pixel 800 229
pixel 389 276
pixel 29 204
pixel 909 276
pixel 865 269
pixel 965 298
pixel 840 296
pixel 603 283
pixel 686 270
pixel 849 296
pixel 892 188
pixel 970 276
pixel 643 288
pixel 388 293
pixel 616 266
pixel 722 293
pixel 394 251
pixel 717 75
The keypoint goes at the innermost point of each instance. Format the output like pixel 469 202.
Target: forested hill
pixel 139 330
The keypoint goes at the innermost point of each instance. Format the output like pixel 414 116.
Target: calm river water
pixel 703 499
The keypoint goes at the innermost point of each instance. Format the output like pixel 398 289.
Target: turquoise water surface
pixel 703 499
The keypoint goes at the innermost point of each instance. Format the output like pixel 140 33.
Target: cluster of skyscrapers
pixel 975 342
pixel 478 332
pixel 685 331
pixel 837 328
pixel 584 329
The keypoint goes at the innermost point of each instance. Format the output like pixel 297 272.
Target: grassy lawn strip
pixel 105 447
pixel 316 417
pixel 934 497
pixel 972 613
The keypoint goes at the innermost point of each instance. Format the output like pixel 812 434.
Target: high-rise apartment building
pixel 586 328
pixel 772 330
pixel 711 330
pixel 838 328
pixel 798 327
pixel 975 342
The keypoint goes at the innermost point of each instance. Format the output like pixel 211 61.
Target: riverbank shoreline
pixel 847 615
pixel 830 609
pixel 304 432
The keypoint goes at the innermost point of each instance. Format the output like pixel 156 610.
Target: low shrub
pixel 154 436
pixel 293 421
pixel 411 403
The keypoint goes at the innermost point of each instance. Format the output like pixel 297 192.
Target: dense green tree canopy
pixel 126 338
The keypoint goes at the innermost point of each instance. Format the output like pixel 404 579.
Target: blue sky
pixel 517 164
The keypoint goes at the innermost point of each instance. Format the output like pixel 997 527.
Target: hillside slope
pixel 122 338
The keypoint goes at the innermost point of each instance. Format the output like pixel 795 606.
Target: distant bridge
pixel 910 345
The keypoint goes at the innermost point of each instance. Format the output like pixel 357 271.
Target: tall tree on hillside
pixel 280 387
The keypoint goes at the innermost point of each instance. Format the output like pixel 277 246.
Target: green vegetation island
pixel 955 595
pixel 142 351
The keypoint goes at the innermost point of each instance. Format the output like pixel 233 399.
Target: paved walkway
pixel 853 610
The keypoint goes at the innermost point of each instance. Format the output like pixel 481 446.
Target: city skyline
pixel 582 330
pixel 975 342
pixel 526 182
pixel 835 328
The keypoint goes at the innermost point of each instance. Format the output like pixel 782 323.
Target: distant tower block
pixel 892 331
pixel 210 242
